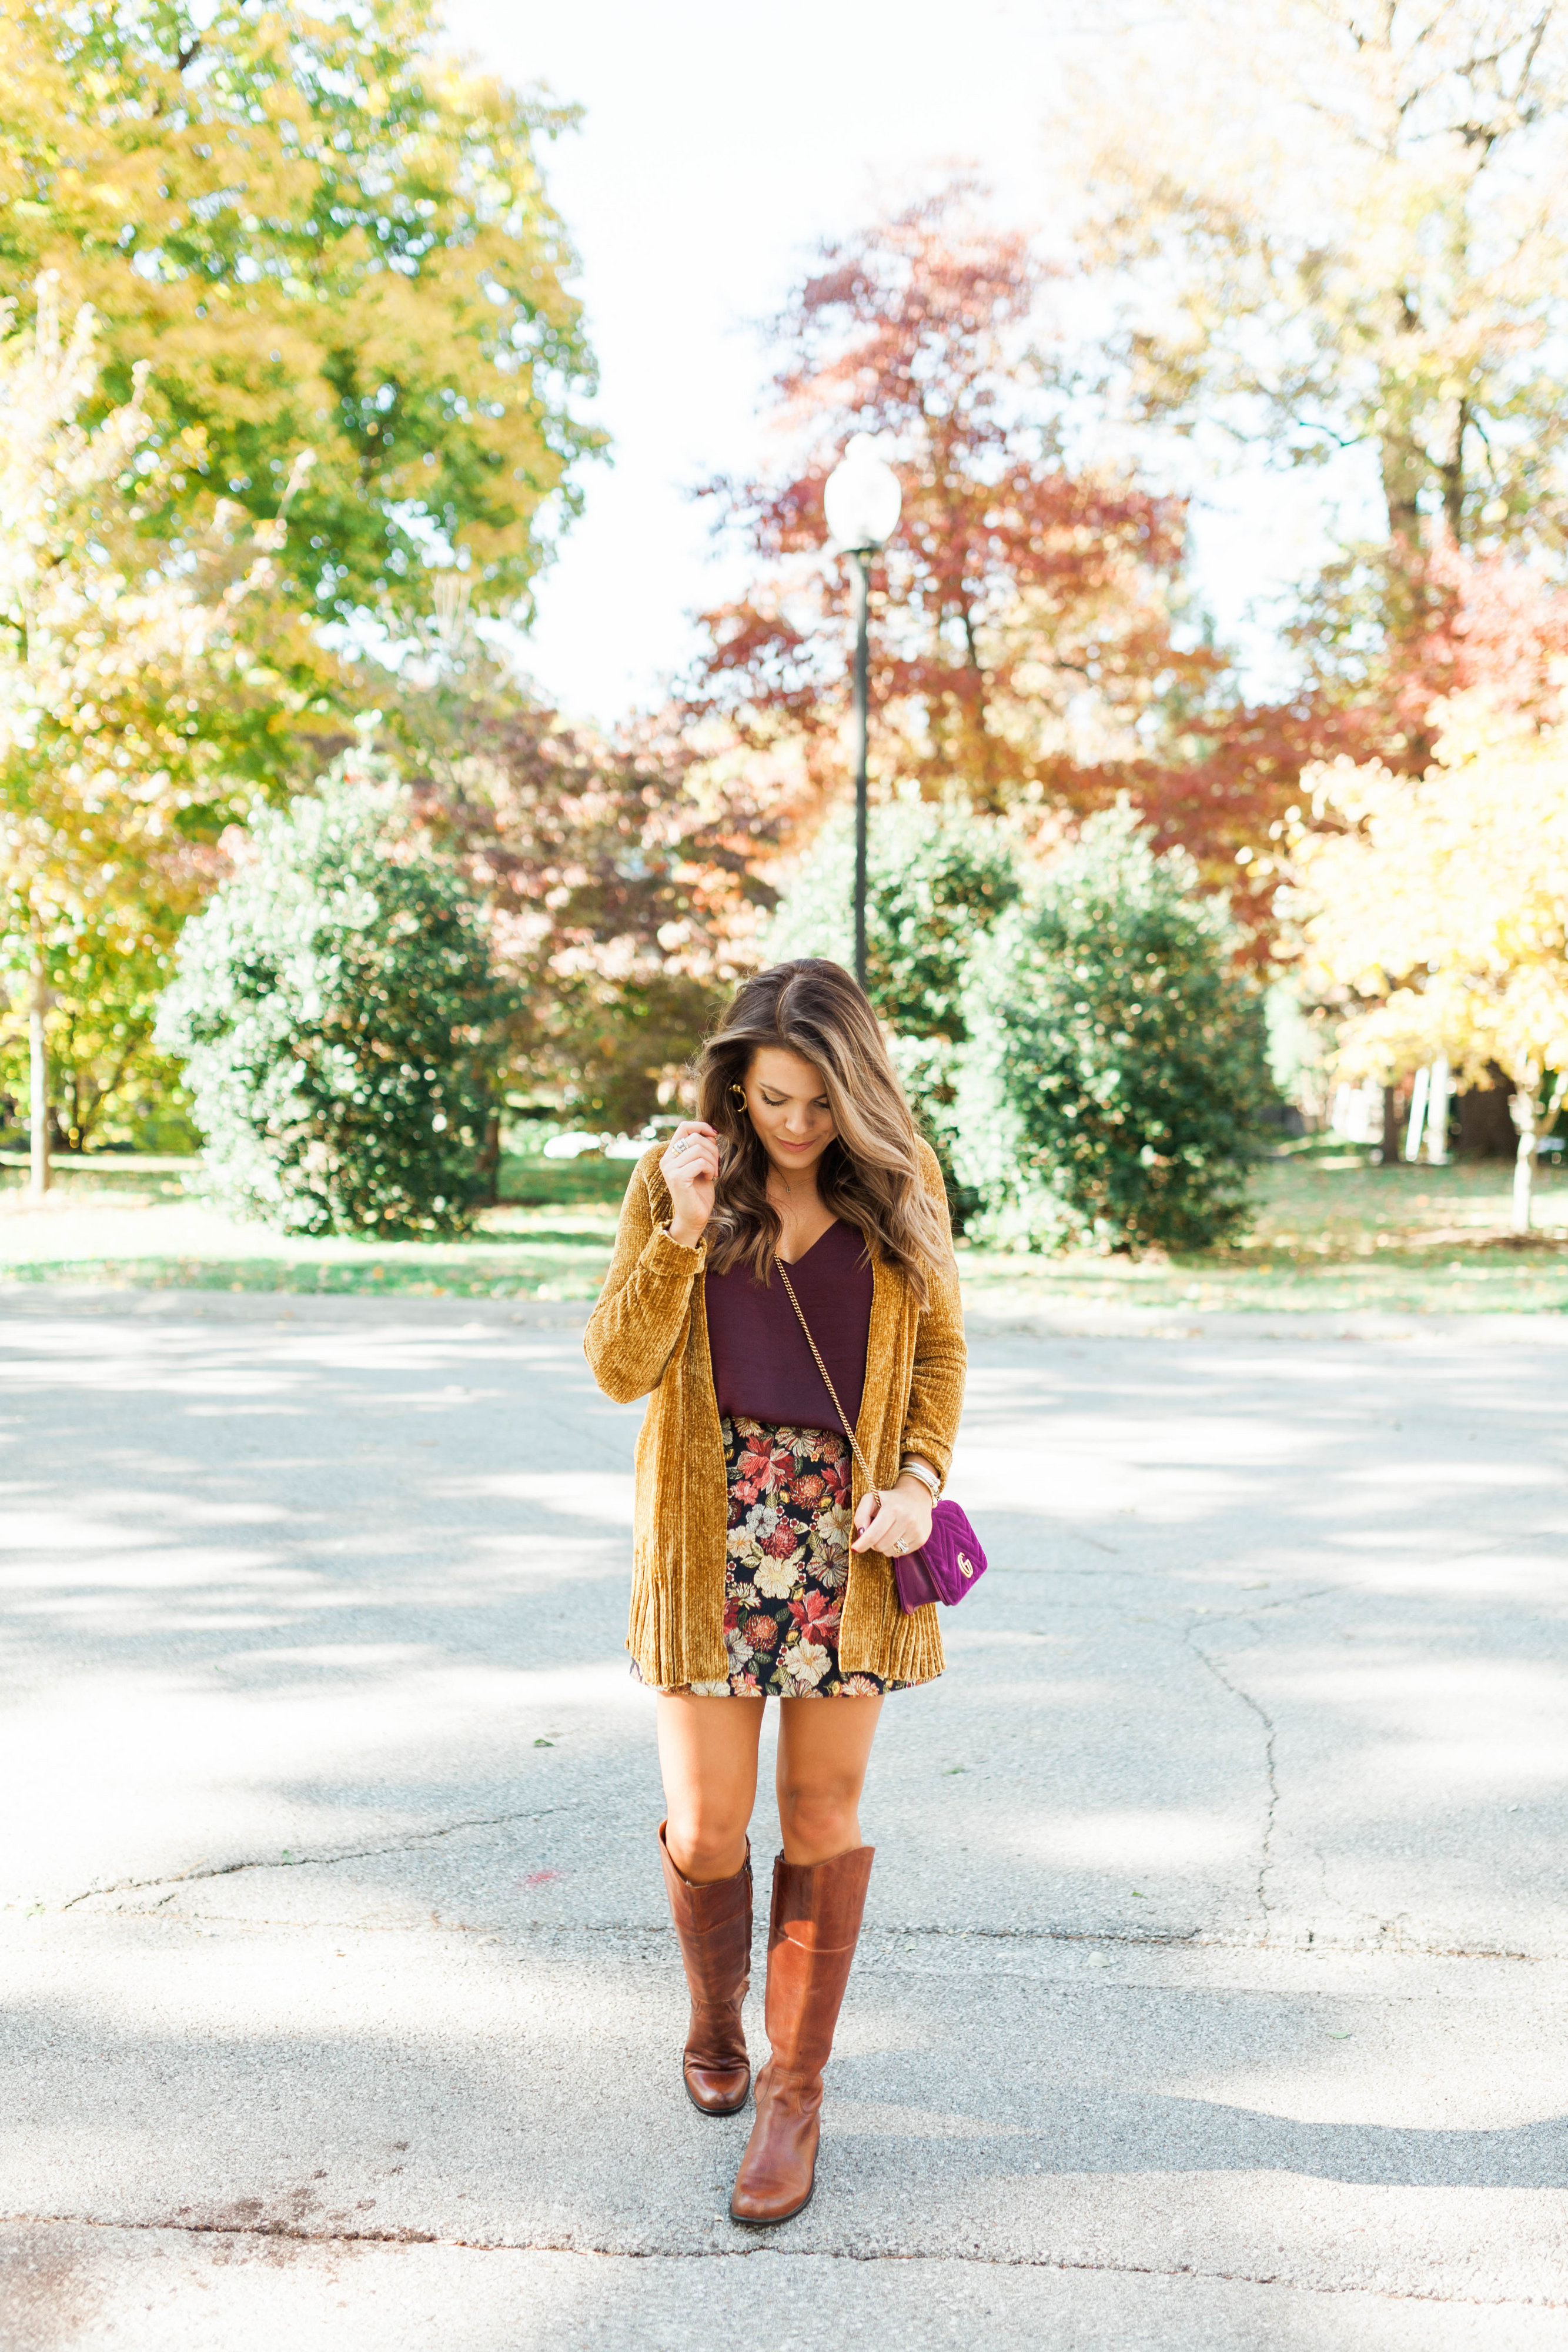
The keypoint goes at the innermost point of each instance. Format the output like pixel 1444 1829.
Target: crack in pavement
pixel 292 2230
pixel 306 1861
pixel 1194 1938
pixel 1310 1942
pixel 1286 1601
pixel 1265 1858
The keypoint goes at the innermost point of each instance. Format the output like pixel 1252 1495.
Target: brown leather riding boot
pixel 816 1919
pixel 714 1923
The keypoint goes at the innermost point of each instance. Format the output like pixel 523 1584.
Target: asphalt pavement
pixel 1213 1987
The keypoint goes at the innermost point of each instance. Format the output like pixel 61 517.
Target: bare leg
pixel 824 1746
pixel 708 1756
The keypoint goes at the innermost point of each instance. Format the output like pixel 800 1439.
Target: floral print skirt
pixel 786 1562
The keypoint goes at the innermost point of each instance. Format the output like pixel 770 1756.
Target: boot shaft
pixel 713 1925
pixel 815 1920
pixel 814 1926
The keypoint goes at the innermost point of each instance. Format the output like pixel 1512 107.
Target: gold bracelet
pixel 926 1476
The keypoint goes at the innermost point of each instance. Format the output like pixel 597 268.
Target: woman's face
pixel 788 1108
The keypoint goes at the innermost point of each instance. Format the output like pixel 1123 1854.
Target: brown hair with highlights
pixel 869 1175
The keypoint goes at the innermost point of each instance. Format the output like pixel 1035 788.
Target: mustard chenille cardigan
pixel 648 1336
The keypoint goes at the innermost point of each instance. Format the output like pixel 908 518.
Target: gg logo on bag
pixel 966 1564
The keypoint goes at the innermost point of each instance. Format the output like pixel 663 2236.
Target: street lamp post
pixel 863 499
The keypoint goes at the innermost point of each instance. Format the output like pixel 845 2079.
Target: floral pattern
pixel 786 1565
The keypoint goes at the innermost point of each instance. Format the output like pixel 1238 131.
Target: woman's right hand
pixel 690 1170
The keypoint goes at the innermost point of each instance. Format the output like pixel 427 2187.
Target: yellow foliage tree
pixel 328 237
pixel 143 688
pixel 1438 915
pixel 1343 224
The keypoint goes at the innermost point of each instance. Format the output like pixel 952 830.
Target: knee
pixel 819 1818
pixel 706 1842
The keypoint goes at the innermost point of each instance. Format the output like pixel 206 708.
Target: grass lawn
pixel 125 1220
pixel 1329 1233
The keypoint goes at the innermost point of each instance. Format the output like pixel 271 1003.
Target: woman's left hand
pixel 901 1523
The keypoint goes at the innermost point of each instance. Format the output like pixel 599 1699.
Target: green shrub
pixel 334 1006
pixel 937 880
pixel 1118 1071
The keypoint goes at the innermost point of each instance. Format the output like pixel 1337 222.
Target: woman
pixel 800 1195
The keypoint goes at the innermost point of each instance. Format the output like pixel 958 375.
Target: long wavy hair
pixel 869 1175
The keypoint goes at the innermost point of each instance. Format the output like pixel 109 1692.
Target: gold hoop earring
pixel 737 1095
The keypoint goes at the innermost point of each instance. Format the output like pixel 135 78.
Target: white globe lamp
pixel 863 499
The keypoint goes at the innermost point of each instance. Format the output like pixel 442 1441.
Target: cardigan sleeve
pixel 941 1357
pixel 642 1312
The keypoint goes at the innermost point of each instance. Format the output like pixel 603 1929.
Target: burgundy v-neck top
pixel 763 1369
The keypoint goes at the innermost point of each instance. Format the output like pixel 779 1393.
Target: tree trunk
pixel 1404 466
pixel 978 734
pixel 1390 1127
pixel 1453 473
pixel 1486 1130
pixel 38 1059
pixel 1524 1158
pixel 1415 1132
pixel 490 1161
pixel 1438 1101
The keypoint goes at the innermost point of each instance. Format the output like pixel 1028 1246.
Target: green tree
pixel 106 1080
pixel 335 1009
pixel 146 688
pixel 1126 1055
pixel 326 237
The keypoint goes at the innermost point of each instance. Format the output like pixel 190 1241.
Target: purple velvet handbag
pixel 950 1562
pixel 947 1565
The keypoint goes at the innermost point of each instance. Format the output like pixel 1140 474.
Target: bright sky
pixel 718 144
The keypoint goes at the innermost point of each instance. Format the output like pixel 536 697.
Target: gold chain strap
pixel 838 1408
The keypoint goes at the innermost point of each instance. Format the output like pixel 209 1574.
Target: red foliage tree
pixel 1488 624
pixel 620 882
pixel 1021 628
pixel 1024 645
